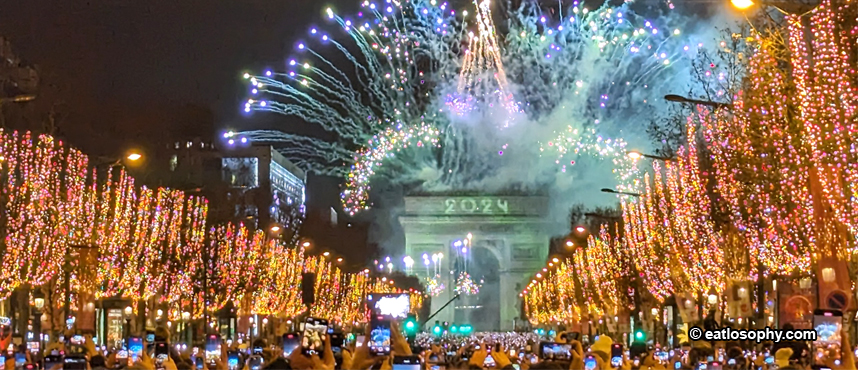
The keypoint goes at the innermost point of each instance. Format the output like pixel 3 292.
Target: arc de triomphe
pixel 511 228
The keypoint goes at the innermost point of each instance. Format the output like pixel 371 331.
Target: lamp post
pixel 38 305
pixel 793 7
pixel 681 99
pixel 129 311
pixel 131 157
pixel 186 318
pixel 634 154
pixel 612 191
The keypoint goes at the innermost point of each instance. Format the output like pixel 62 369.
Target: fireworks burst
pixel 466 285
pixel 419 91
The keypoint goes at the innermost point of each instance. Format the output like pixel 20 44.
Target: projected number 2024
pixel 488 206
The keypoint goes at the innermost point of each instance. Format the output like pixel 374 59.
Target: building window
pixel 241 172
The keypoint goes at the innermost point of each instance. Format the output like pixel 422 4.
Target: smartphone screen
pixel 489 362
pixel 827 324
pixel 391 305
pixel 161 352
pixel 313 339
pixel 406 363
pixel 232 360
pixel 74 363
pixel 254 362
pixel 150 336
pixel 590 363
pixel 77 340
pixel 337 341
pixel 212 348
pixel 135 347
pixel 20 359
pixel 289 343
pixel 555 351
pixel 677 364
pixel 198 361
pixel 715 366
pixel 616 355
pixel 379 341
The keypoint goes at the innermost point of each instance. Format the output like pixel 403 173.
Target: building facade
pixel 508 242
pixel 252 184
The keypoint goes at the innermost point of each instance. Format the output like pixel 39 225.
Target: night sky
pixel 141 74
pixel 131 73
pixel 125 69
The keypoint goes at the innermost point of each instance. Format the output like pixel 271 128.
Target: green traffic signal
pixel 639 335
pixel 437 330
pixel 454 329
pixel 465 329
pixel 410 325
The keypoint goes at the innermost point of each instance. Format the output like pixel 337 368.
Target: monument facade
pixel 509 242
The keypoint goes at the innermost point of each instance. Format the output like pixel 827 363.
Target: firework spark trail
pixel 599 69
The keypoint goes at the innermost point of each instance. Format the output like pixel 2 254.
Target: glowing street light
pixel 275 228
pixel 134 156
pixel 742 4
pixel 569 243
pixel 795 7
pixel 635 155
pixel 409 262
pixel 580 229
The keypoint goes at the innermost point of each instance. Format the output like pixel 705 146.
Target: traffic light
pixel 411 324
pixel 410 327
pixel 465 329
pixel 640 336
pixel 437 328
pixel 454 329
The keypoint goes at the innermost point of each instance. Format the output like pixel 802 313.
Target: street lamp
pixel 682 99
pixel 128 312
pixel 612 191
pixel 634 154
pixel 38 305
pixel 186 318
pixel 794 7
pixel 114 162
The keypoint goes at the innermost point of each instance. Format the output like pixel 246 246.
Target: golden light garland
pixel 114 238
pixel 782 190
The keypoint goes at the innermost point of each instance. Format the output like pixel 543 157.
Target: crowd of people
pixel 501 351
